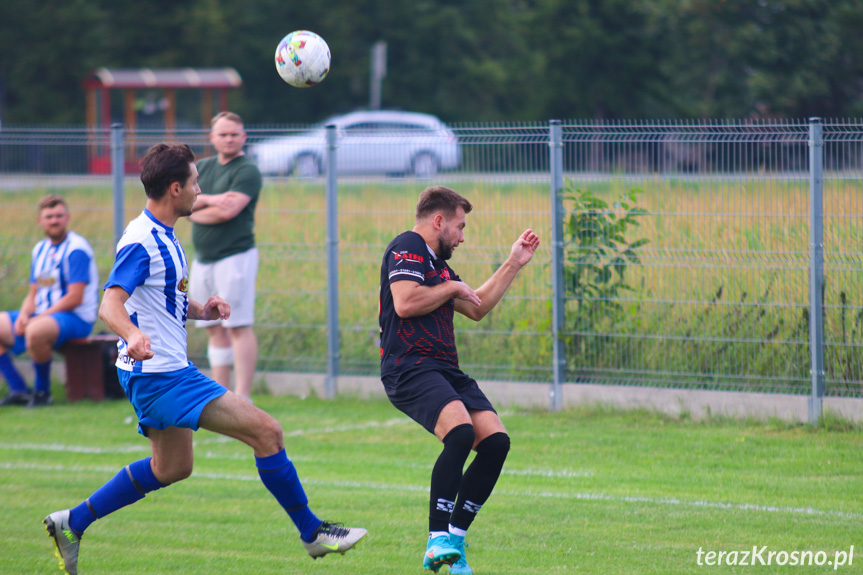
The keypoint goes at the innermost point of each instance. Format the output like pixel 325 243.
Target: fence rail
pixel 736 232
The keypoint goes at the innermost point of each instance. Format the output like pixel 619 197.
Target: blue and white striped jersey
pixel 151 267
pixel 54 267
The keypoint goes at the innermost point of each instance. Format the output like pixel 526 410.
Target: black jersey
pixel 415 343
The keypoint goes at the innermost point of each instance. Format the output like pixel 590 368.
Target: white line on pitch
pixel 144 448
pixel 667 501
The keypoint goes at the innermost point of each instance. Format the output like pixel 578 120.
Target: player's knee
pixel 271 438
pixel 495 446
pixel 35 340
pixel 460 437
pixel 220 356
pixel 173 473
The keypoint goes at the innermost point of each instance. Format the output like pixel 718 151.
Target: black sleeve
pixel 407 259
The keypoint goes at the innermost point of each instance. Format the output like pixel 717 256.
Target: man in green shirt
pixel 226 259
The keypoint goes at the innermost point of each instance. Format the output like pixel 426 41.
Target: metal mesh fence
pixel 718 295
pixel 843 257
pixel 686 244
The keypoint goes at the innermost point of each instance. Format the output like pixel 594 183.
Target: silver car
pixel 369 142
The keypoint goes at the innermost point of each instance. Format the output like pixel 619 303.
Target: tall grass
pixel 720 300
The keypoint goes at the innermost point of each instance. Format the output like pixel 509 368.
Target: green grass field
pixel 585 491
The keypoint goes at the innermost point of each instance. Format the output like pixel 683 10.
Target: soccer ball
pixel 303 59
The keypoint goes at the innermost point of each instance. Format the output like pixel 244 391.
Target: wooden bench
pixel 85 366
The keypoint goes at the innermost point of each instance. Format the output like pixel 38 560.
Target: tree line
pixel 463 60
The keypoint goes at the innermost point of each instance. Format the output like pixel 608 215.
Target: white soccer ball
pixel 303 59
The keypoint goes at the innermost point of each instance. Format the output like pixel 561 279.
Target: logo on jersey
pixel 398 256
pixel 444 274
pixel 183 286
pixel 45 281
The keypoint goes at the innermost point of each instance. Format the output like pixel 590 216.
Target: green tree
pixel 464 61
pixel 46 50
pixel 599 59
pixel 737 58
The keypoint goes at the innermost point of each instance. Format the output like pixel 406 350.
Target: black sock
pixel 446 475
pixel 479 479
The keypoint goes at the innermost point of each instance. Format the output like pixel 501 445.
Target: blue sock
pixel 43 377
pixel 127 487
pixel 280 477
pixel 13 378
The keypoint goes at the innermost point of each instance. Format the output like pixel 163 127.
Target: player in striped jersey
pixel 145 303
pixel 60 305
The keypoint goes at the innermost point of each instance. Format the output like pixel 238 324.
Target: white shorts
pixel 233 278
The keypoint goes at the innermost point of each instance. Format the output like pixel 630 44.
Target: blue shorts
pixel 71 327
pixel 170 399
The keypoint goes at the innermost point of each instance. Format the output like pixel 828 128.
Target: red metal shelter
pixel 100 83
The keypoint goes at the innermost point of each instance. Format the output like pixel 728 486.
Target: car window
pixel 385 127
pixel 362 126
pixel 405 127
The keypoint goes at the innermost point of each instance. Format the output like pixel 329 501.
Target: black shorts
pixel 422 396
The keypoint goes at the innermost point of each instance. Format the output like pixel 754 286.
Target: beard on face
pixel 56 233
pixel 56 230
pixel 444 247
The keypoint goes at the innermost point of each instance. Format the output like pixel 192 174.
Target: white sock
pixel 433 534
pixel 457 531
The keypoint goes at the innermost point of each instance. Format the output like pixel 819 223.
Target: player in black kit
pixel 419 364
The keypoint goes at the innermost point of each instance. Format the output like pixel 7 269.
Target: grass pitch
pixel 583 491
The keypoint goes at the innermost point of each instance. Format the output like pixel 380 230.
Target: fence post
pixel 333 349
pixel 816 267
pixel 555 144
pixel 118 173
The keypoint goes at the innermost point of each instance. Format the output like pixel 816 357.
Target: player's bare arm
pixel 27 309
pixel 411 299
pixel 70 301
pixel 113 313
pixel 496 286
pixel 218 208
pixel 215 308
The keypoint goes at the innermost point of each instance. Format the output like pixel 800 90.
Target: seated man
pixel 61 304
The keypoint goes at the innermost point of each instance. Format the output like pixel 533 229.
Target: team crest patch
pixel 183 286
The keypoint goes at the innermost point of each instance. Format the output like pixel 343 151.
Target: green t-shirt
pixel 218 241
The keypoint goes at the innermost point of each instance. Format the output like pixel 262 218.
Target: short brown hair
pixel 52 200
pixel 163 165
pixel 441 199
pixel 228 116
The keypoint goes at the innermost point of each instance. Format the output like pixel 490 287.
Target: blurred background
pixel 481 60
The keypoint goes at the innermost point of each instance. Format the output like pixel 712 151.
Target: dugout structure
pixel 213 84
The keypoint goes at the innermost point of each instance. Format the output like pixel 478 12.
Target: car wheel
pixel 307 166
pixel 424 165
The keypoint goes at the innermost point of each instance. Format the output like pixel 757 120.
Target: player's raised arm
pixel 491 292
